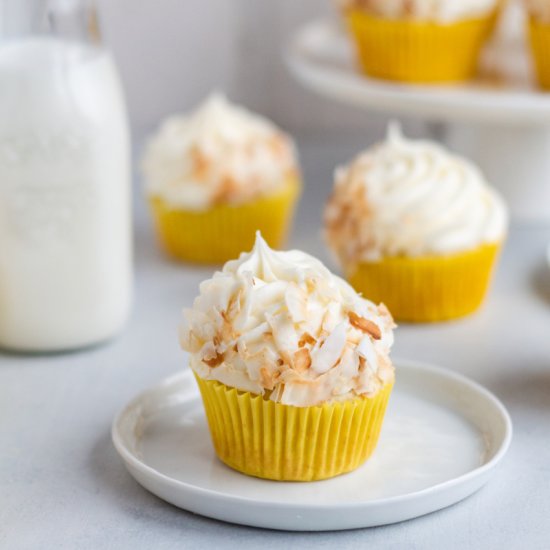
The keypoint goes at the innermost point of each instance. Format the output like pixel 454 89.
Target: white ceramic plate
pixel 321 57
pixel 442 438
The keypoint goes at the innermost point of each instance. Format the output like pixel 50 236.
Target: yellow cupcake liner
pixel 419 52
pixel 224 231
pixel 539 37
pixel 430 288
pixel 269 440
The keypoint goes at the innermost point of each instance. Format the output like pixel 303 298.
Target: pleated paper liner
pixel 269 440
pixel 539 38
pixel 428 289
pixel 419 52
pixel 224 231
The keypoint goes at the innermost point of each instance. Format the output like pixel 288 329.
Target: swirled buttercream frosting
pixel 281 325
pixel 442 11
pixel 410 198
pixel 220 154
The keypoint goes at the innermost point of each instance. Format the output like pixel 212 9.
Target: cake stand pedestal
pixel 516 160
pixel 500 121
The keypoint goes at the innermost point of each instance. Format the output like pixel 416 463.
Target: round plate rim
pixel 131 460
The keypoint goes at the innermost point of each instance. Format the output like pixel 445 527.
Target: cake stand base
pixel 515 160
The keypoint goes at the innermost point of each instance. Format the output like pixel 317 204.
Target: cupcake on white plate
pixel 215 177
pixel 292 364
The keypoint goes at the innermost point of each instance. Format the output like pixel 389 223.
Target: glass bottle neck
pixel 74 20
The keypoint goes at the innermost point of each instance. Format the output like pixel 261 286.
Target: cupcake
pixel 416 227
pixel 292 364
pixel 420 41
pixel 539 38
pixel 216 177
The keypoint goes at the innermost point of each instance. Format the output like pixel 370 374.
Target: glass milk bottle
pixel 65 223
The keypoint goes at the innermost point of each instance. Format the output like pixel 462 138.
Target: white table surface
pixel 62 484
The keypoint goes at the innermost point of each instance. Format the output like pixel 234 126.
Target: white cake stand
pixel 501 121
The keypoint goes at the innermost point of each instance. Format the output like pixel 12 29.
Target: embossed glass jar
pixel 65 223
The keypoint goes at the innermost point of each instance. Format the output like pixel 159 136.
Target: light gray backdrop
pixel 171 53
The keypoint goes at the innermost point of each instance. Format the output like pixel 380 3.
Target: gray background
pixel 171 53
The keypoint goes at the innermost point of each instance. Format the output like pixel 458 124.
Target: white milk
pixel 65 227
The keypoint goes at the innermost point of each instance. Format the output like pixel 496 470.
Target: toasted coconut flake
pixel 277 393
pixel 330 351
pixel 227 187
pixel 331 317
pixel 214 361
pixel 201 163
pixel 256 335
pixel 227 331
pixel 365 325
pixel 311 284
pixel 305 339
pixel 354 337
pixel 367 350
pixel 296 302
pixel 349 363
pixel 284 334
pixel 189 340
pixel 266 378
pixel 255 362
pixel 302 360
pixel 234 306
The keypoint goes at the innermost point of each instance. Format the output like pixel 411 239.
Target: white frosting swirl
pixel 538 9
pixel 411 198
pixel 443 11
pixel 281 324
pixel 219 154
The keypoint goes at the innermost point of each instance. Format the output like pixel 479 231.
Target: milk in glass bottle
pixel 65 228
